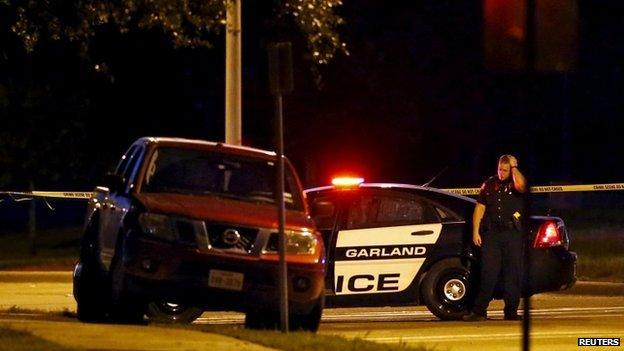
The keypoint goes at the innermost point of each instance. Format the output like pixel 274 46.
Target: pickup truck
pixel 185 226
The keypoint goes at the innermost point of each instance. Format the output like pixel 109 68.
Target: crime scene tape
pixel 48 194
pixel 459 191
pixel 550 188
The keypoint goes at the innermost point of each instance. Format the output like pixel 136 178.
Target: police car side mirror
pixel 114 182
pixel 322 209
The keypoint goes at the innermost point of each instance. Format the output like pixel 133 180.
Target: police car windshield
pixel 203 172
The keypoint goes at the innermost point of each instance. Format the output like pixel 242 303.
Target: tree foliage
pixel 188 23
pixel 47 92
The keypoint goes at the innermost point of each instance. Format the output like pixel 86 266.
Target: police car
pixel 397 244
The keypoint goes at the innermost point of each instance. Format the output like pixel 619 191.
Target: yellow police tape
pixel 50 194
pixel 460 191
pixel 550 188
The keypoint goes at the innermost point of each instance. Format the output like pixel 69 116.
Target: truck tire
pixel 90 298
pixel 89 282
pixel 126 307
pixel 310 321
pixel 262 319
pixel 172 312
pixel 448 289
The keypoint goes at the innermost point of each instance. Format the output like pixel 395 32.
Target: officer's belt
pixel 502 226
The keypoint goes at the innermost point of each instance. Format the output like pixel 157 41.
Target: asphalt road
pixel 553 328
pixel 558 321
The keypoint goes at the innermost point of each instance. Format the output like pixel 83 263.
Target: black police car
pixel 397 244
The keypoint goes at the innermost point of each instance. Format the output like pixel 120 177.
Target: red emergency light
pixel 347 181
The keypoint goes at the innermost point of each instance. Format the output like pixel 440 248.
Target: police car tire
pixel 433 294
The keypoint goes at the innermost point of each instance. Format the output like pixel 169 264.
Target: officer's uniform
pixel 502 243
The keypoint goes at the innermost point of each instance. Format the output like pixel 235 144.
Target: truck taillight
pixel 548 235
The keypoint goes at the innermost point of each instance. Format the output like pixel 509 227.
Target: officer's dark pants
pixel 500 249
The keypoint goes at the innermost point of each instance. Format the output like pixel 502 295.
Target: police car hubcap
pixel 454 289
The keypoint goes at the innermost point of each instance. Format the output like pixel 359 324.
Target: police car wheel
pixel 447 289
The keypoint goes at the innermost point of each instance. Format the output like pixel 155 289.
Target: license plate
pixel 225 280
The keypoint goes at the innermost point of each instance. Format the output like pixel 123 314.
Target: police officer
pixel 496 229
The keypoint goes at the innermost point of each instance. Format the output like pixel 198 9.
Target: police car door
pixel 383 242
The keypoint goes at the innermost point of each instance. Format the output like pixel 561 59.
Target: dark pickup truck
pixel 184 226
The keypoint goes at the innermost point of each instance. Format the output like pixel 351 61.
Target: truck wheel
pixel 172 312
pixel 89 282
pixel 448 289
pixel 262 319
pixel 125 306
pixel 310 321
pixel 91 301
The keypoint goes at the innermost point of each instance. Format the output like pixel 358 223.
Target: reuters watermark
pixel 599 342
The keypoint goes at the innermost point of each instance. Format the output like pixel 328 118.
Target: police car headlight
pixel 158 225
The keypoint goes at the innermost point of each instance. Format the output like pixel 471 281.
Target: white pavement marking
pixel 488 336
pixel 339 315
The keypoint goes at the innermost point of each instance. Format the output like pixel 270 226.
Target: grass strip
pixel 65 313
pixel 297 341
pixel 15 340
pixel 293 341
pixel 600 254
pixel 57 249
pixel 38 277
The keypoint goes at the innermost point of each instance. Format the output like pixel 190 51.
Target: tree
pixel 32 31
pixel 188 23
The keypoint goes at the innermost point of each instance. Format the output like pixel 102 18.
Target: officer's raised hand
pixel 513 162
pixel 519 181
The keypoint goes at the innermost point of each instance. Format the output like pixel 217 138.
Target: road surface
pixel 558 321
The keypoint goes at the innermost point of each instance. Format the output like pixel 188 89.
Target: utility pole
pixel 233 33
pixel 530 58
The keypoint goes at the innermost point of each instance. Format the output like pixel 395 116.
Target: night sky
pixel 413 98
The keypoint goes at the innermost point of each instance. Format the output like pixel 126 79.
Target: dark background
pixel 411 99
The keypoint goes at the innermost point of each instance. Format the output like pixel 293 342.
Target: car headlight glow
pixel 158 225
pixel 297 243
pixel 300 243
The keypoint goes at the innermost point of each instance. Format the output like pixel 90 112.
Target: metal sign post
pixel 281 81
pixel 530 60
